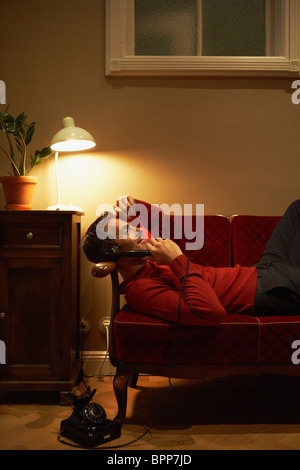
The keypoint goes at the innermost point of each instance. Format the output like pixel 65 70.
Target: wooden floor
pixel 241 413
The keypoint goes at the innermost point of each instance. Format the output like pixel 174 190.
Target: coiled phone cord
pixel 167 402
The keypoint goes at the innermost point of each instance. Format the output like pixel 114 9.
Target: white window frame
pixel 121 61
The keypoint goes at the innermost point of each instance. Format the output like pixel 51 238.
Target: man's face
pixel 127 236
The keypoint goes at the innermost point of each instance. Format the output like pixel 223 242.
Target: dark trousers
pixel 278 271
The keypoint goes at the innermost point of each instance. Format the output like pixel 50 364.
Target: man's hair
pixel 94 248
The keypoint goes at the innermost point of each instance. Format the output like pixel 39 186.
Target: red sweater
pixel 209 292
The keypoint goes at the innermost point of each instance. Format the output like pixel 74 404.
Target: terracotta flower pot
pixel 18 191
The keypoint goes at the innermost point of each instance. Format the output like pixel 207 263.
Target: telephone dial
pixel 88 425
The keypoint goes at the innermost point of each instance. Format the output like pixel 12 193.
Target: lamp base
pixel 63 207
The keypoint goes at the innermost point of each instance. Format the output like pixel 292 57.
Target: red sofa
pixel 240 344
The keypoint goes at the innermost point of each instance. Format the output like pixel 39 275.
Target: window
pixel 206 27
pixel 203 37
pixel 166 27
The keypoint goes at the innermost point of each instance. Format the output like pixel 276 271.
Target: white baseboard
pixel 95 362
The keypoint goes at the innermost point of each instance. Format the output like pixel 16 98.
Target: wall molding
pixel 94 360
pixel 121 61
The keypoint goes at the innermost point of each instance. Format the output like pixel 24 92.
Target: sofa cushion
pixel 249 235
pixel 240 339
pixel 216 250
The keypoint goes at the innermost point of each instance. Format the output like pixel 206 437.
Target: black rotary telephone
pixel 88 425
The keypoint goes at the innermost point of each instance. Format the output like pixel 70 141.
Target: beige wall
pixel 232 144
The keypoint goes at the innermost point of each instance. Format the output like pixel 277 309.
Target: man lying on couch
pixel 152 285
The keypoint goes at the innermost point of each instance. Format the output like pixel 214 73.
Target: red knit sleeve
pixel 159 296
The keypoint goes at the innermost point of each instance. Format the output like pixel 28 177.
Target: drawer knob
pixel 29 236
pixel 2 315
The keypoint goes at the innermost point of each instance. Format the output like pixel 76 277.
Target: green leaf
pixel 19 124
pixel 40 155
pixel 20 119
pixel 9 122
pixel 18 144
pixel 29 133
pixel 45 153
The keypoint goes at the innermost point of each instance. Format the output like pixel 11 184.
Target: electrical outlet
pixel 103 324
pixel 86 324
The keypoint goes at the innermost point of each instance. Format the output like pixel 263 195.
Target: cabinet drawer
pixel 30 234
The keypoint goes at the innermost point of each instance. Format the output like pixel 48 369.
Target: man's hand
pixel 123 205
pixel 163 251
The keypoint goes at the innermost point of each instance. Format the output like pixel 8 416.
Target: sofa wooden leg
pixel 120 389
pixel 133 380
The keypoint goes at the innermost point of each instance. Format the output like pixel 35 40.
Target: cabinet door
pixel 30 299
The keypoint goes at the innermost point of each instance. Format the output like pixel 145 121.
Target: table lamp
pixel 69 139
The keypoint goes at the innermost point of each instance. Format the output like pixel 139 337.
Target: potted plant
pixel 18 187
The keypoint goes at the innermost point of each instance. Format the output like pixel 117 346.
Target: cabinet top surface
pixel 40 217
pixel 41 212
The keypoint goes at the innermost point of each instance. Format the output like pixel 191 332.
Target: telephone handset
pixel 114 253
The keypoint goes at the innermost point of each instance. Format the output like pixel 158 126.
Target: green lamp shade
pixel 71 138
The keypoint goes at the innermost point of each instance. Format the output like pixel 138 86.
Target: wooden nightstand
pixel 39 300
